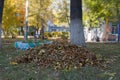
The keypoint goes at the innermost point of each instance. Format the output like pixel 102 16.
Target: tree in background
pixel 94 11
pixel 39 14
pixel 76 27
pixel 20 14
pixel 1 12
pixel 100 9
pixel 63 12
pixel 97 11
pixel 10 21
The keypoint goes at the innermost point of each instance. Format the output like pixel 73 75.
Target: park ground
pixel 110 70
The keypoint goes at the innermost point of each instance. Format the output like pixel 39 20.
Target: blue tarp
pixel 28 45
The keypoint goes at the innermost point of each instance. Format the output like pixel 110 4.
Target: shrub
pixel 48 35
pixel 65 35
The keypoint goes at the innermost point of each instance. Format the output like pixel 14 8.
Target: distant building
pixel 58 28
pixel 104 33
pixel 52 27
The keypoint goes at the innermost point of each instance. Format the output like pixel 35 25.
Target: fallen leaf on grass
pixel 13 63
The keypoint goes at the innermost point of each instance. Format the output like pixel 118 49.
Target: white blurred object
pixel 49 23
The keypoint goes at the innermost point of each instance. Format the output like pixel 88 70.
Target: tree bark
pixel 42 30
pixel 118 14
pixel 1 12
pixel 26 21
pixel 76 27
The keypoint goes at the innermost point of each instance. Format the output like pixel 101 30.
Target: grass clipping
pixel 59 55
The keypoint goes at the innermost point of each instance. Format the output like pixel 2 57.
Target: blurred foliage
pixel 41 11
pixel 63 12
pixel 65 35
pixel 10 21
pixel 14 15
pixel 62 35
pixel 97 11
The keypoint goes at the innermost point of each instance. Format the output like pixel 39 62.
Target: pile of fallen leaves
pixel 59 55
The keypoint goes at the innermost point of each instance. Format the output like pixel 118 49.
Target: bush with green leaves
pixel 65 35
pixel 62 35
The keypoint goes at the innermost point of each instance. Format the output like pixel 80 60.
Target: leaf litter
pixel 59 55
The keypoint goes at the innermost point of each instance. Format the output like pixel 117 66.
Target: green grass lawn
pixel 110 71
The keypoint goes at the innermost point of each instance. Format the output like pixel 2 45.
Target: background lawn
pixel 108 71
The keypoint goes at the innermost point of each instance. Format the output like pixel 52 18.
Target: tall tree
pixel 99 10
pixel 1 12
pixel 95 10
pixel 105 9
pixel 76 27
pixel 26 21
pixel 10 19
pixel 63 12
pixel 40 13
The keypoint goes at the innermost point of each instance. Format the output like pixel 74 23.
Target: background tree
pixel 63 12
pixel 94 11
pixel 101 9
pixel 10 21
pixel 76 27
pixel 40 13
pixel 1 12
pixel 20 12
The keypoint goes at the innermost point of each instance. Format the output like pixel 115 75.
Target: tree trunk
pixel 76 28
pixel 68 20
pixel 26 22
pixel 106 32
pixel 1 12
pixel 118 14
pixel 119 31
pixel 42 30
